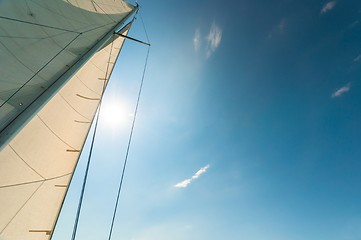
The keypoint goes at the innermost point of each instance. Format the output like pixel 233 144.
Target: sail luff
pixel 21 120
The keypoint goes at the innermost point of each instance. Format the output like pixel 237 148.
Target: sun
pixel 115 114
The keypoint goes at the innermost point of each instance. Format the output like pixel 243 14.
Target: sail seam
pixel 37 73
pixel 95 28
pixel 36 181
pixel 27 164
pixel 35 38
pixel 21 208
pixel 94 6
pixel 73 107
pixel 87 86
pixel 103 11
pixel 37 24
pixel 97 66
pixel 15 57
pixel 47 126
pixel 61 15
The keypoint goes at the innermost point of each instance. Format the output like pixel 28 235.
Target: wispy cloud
pixel 354 24
pixel 214 38
pixel 186 182
pixel 339 92
pixel 278 29
pixel 281 25
pixel 358 58
pixel 197 40
pixel 328 6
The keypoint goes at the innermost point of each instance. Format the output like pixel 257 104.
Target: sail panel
pixel 45 152
pixel 40 41
pixel 50 193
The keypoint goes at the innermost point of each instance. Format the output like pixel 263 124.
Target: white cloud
pixel 197 40
pixel 354 24
pixel 214 39
pixel 186 182
pixel 281 26
pixel 358 58
pixel 278 29
pixel 339 92
pixel 328 6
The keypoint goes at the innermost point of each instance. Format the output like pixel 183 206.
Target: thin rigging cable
pixel 90 154
pixel 85 177
pixel 128 146
pixel 145 30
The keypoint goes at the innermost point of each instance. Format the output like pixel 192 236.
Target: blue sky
pixel 248 127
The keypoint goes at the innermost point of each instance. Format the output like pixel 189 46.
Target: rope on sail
pixel 129 142
pixel 90 153
pixel 57 54
pixel 37 24
pixel 49 61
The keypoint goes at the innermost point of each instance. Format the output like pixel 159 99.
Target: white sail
pixel 36 166
pixel 42 44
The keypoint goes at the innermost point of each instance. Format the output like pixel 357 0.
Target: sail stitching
pixel 21 207
pixel 27 164
pixel 87 85
pixel 36 181
pixel 37 24
pixel 35 38
pixel 97 66
pixel 54 133
pixel 12 95
pixel 94 6
pixel 95 28
pixel 61 15
pixel 103 10
pixel 81 21
pixel 13 55
pixel 72 107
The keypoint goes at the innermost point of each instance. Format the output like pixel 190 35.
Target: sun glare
pixel 115 114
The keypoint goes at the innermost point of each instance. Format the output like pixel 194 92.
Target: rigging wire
pixel 75 227
pixel 127 151
pixel 145 30
pixel 91 150
pixel 129 142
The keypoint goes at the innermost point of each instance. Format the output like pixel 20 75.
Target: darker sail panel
pixel 43 43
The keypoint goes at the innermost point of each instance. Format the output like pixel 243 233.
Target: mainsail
pixel 56 58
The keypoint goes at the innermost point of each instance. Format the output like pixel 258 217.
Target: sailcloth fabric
pixel 42 43
pixel 36 166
